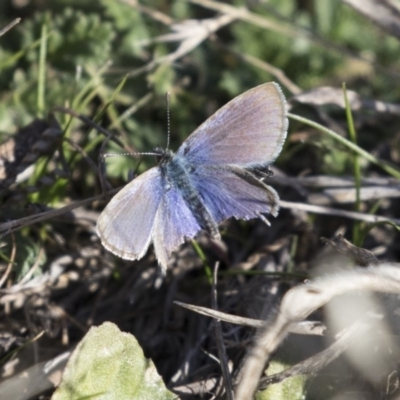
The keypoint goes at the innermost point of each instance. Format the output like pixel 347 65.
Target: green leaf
pixel 110 364
pixel 30 257
pixel 291 388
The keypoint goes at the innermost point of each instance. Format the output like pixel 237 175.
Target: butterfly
pixel 215 174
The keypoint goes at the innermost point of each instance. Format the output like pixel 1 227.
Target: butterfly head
pixel 162 155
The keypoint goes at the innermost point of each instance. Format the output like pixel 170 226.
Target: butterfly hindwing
pixel 230 191
pixel 126 224
pixel 249 130
pixel 173 223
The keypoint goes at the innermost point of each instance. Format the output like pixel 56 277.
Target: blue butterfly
pixel 213 176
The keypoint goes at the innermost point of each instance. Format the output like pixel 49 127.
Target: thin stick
pixel 223 359
pixel 10 26
pixel 89 122
pixel 11 226
pixel 11 262
pixel 83 154
pixel 338 213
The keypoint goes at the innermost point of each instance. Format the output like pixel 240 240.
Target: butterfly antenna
pixel 167 96
pixel 130 154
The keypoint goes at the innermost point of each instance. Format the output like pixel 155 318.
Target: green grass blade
pixel 387 167
pixel 42 72
pixel 356 167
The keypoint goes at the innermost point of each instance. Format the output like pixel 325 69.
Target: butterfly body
pixel 215 174
pixel 175 174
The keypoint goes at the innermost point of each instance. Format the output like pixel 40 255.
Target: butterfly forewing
pixel 250 130
pixel 126 225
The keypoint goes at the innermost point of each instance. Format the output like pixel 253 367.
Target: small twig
pixel 89 122
pixel 60 312
pixel 10 26
pixel 321 359
pixel 34 267
pixel 83 153
pixel 11 263
pixel 153 13
pixel 223 359
pixel 338 213
pixel 361 257
pixel 11 226
pixel 382 13
pixel 276 72
pixel 300 328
